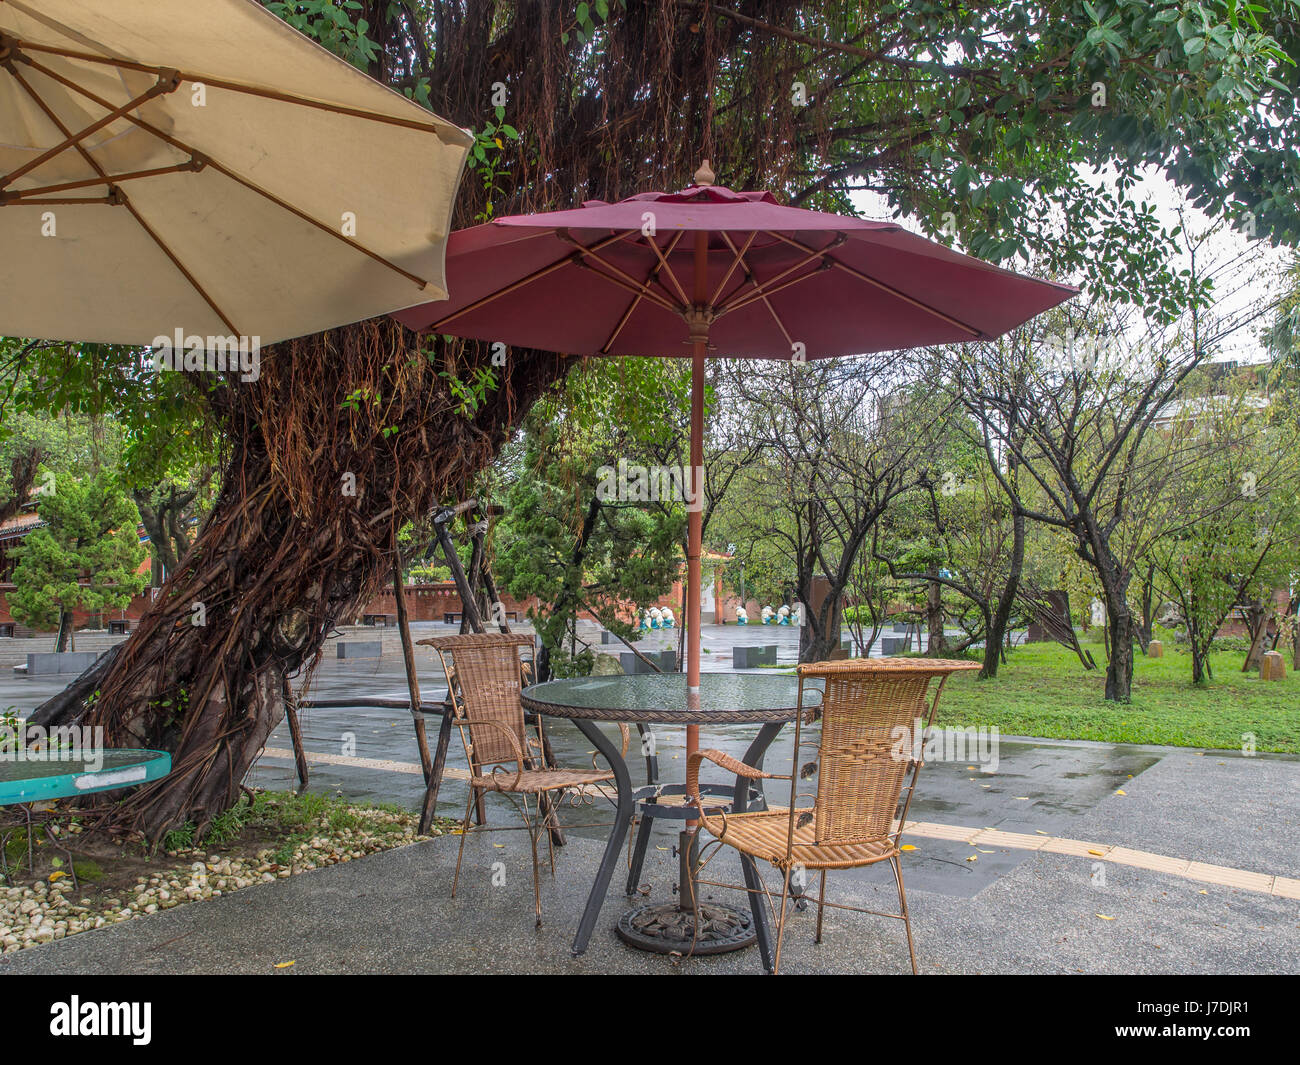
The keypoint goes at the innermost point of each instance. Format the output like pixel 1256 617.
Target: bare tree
pixel 837 449
pixel 1079 402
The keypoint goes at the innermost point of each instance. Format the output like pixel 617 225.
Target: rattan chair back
pixel 484 679
pixel 871 710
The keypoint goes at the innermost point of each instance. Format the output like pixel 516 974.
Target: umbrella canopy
pixel 712 271
pixel 169 165
pixel 592 281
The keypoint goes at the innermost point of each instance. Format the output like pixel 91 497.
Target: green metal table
pixel 32 779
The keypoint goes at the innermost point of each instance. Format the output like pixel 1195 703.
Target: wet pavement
pixel 977 908
pixel 1034 787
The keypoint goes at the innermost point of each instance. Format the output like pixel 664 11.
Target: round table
pixel 34 777
pixel 42 776
pixel 767 700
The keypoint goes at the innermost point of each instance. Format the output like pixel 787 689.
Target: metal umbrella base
pixel 671 927
pixel 668 929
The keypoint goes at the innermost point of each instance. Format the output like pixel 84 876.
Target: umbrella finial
pixel 705 175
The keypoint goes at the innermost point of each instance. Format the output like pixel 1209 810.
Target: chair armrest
pixel 733 765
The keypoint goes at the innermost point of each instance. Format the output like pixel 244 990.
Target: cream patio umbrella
pixel 202 167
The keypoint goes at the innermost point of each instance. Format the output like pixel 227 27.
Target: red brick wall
pixel 428 602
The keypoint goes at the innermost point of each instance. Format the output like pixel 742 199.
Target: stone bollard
pixel 1271 666
pixel 1155 649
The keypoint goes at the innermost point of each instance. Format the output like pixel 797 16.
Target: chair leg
pixel 638 855
pixel 780 920
pixel 907 921
pixel 551 826
pixel 821 906
pixel 534 830
pixel 758 913
pixel 464 831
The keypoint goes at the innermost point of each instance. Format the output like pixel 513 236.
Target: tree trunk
pixel 303 532
pixel 64 633
pixel 1196 643
pixel 936 643
pixel 1257 624
pixel 996 632
pixel 1145 633
pixel 1119 669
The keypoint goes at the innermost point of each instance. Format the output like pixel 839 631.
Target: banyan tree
pixel 971 118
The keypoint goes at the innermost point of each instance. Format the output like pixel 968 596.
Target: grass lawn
pixel 1044 691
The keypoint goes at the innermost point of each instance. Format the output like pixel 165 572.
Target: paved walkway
pixel 1057 907
pixel 1059 857
pixel 978 838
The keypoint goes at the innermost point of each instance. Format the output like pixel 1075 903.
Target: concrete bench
pixel 893 645
pixel 50 663
pixel 360 648
pixel 667 661
pixel 753 656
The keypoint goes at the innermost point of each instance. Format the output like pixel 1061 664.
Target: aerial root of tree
pixel 345 436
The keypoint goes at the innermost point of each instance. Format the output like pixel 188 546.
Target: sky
pixel 1238 293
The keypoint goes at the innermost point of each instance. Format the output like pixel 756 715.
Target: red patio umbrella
pixel 710 271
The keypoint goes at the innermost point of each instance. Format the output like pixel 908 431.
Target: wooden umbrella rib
pixel 234 86
pixel 216 165
pixel 762 294
pixel 117 196
pixel 180 266
pixel 62 201
pixel 623 278
pixel 664 267
pixel 162 85
pixel 536 275
pixel 768 289
pixel 740 298
pixel 625 282
pixel 106 179
pixel 739 256
pixel 918 304
pixel 636 300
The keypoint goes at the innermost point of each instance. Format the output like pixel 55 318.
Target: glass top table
pixel 663 698
pixel 769 700
pixel 35 778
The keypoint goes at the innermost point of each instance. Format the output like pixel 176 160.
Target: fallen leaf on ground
pixel 1105 917
pixel 285 964
pixel 1100 854
pixel 907 847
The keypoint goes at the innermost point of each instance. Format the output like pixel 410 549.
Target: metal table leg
pixel 617 834
pixel 754 756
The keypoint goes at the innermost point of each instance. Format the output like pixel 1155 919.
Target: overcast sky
pixel 1238 290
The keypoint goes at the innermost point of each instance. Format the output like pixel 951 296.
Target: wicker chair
pixel 484 678
pixel 861 765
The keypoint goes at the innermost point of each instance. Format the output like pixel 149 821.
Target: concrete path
pixel 1010 911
